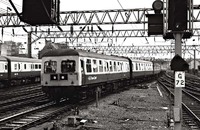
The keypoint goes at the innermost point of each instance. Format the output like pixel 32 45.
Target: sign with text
pixel 179 78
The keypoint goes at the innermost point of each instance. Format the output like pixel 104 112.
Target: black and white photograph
pixel 99 65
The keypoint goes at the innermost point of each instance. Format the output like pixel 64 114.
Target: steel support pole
pixel 194 61
pixel 178 90
pixel 97 97
pixel 29 45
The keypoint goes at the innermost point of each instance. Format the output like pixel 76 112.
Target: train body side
pixel 18 68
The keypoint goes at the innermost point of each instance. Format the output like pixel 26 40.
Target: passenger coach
pixel 76 73
pixel 18 70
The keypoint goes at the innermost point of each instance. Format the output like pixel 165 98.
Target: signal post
pixel 177 22
pixel 171 20
pixel 178 90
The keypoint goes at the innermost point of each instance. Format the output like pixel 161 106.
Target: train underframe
pixel 19 81
pixel 78 93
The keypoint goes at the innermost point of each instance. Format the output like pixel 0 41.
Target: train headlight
pixel 63 77
pixel 54 77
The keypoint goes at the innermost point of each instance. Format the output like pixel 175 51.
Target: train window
pixel 88 65
pixel 115 66
pixel 82 67
pixel 105 66
pixel 118 66
pixel 95 66
pixel 32 66
pixel 15 66
pixel 68 66
pixel 111 66
pixel 39 66
pixel 36 66
pixel 136 66
pixel 19 66
pixel 50 66
pixel 6 67
pixel 139 66
pixel 132 66
pixel 100 66
pixel 24 66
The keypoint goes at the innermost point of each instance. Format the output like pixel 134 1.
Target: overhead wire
pixel 130 19
pixel 7 10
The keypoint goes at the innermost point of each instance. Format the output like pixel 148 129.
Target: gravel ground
pixel 134 109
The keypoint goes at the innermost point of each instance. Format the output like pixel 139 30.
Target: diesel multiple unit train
pixel 19 70
pixel 75 74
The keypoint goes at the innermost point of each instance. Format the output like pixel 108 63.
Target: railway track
pixel 19 100
pixel 191 105
pixel 35 115
pixel 26 119
pixel 15 92
pixel 190 102
pixel 13 103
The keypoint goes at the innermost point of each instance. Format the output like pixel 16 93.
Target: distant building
pixel 9 48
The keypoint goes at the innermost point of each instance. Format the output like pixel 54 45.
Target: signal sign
pixel 179 79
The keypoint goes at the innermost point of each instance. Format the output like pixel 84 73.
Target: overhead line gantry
pixel 99 18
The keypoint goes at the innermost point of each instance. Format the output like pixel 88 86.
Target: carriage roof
pixel 83 53
pixel 141 61
pixel 19 59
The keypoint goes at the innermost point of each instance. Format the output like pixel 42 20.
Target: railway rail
pixel 20 99
pixel 26 119
pixel 13 92
pixel 33 115
pixel 190 102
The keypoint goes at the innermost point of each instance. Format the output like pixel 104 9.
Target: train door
pixel 82 71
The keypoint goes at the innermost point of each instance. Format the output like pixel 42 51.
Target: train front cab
pixel 60 76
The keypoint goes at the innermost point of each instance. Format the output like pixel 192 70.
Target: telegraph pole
pixel 194 60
